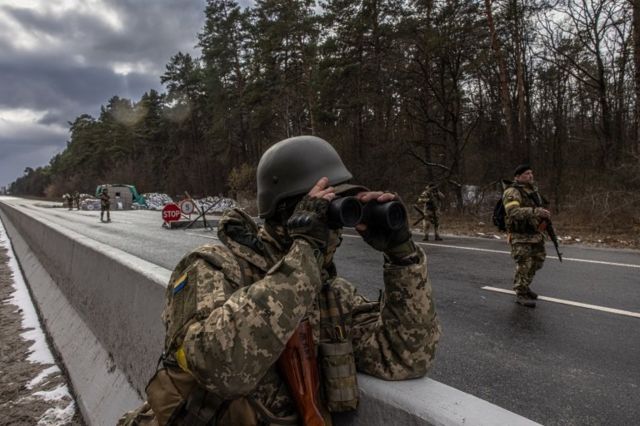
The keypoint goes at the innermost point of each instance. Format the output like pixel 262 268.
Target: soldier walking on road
pixel 234 311
pixel 523 217
pixel 68 198
pixel 429 202
pixel 76 198
pixel 105 205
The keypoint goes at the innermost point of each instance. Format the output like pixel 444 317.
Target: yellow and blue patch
pixel 180 283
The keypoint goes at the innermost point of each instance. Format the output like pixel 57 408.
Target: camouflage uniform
pixel 68 199
pixel 527 241
pixel 253 293
pixel 105 205
pixel 430 200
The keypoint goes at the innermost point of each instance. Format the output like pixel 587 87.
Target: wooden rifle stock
pixel 299 366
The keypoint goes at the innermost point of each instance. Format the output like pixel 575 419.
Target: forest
pixel 455 92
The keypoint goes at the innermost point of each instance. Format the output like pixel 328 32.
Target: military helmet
pixel 292 166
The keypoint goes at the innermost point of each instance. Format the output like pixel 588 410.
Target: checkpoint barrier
pixel 101 307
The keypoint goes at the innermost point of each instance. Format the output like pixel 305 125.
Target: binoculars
pixel 349 211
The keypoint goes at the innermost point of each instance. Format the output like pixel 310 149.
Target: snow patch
pixel 56 394
pixel 58 416
pixel 43 374
pixel 40 353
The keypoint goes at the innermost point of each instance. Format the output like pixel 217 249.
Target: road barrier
pixel 101 307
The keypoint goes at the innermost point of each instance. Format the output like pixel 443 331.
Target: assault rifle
pixel 299 366
pixel 547 226
pixel 422 215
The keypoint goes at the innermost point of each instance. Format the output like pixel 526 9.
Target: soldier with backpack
pixel 523 218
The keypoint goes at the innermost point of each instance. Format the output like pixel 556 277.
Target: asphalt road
pixel 555 364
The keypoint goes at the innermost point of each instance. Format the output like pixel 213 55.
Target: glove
pixel 309 222
pixel 396 243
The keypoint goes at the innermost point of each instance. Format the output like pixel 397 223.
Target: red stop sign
pixel 171 213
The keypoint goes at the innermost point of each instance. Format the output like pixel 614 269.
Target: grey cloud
pixel 56 81
pixel 32 149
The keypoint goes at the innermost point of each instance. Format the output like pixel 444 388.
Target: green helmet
pixel 292 166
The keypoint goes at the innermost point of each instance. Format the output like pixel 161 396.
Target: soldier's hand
pixel 397 244
pixel 309 219
pixel 543 213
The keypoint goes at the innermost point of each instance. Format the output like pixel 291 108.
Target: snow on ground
pixel 44 397
pixel 40 352
pixel 154 200
pixel 90 204
pixel 215 204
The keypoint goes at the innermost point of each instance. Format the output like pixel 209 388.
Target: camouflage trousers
pixel 105 209
pixel 529 258
pixel 431 217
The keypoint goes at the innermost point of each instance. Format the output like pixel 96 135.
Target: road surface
pixel 573 360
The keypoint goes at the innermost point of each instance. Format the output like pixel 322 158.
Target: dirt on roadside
pixel 30 393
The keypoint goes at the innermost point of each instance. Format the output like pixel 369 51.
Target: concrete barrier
pixel 102 307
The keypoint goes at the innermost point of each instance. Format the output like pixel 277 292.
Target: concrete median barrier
pixel 101 307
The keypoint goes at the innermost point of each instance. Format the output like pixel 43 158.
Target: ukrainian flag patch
pixel 180 283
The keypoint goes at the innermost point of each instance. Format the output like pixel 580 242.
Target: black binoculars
pixel 349 211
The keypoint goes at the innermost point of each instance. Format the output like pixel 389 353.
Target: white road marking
pixel 572 259
pixel 572 303
pixel 200 235
pixel 466 248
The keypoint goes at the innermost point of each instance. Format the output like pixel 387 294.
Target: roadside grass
pixel 571 228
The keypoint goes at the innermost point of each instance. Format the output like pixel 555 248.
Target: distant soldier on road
pixel 429 203
pixel 105 205
pixel 521 201
pixel 76 198
pixel 235 311
pixel 68 198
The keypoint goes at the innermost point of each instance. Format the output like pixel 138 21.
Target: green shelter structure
pixel 122 195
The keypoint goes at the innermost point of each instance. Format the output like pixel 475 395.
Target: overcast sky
pixel 63 58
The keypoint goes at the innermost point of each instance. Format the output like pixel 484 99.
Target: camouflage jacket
pixel 521 218
pixel 256 293
pixel 430 198
pixel 105 200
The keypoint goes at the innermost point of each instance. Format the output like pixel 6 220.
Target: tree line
pixel 408 91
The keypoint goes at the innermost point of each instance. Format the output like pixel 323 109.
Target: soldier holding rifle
pixel 527 219
pixel 428 205
pixel 262 330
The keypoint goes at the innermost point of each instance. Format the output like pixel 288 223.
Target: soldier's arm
pixel 231 349
pixel 396 338
pixel 512 200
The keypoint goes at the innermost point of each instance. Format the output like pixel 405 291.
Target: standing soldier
pixel 429 203
pixel 236 312
pixel 523 218
pixel 105 204
pixel 76 197
pixel 68 199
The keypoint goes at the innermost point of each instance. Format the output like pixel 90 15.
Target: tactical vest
pixel 173 393
pixel 530 198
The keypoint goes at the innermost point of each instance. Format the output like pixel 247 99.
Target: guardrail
pixel 102 308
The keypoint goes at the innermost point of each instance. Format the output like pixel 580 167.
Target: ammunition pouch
pixel 338 372
pixel 175 399
pixel 167 393
pixel 522 227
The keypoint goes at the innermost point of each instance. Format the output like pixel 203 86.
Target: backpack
pixel 499 216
